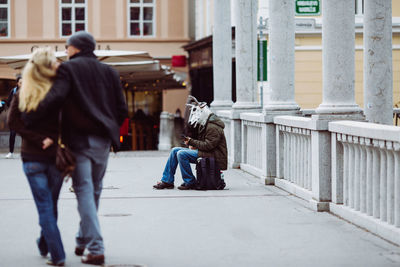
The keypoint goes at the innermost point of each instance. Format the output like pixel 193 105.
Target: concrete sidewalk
pixel 248 224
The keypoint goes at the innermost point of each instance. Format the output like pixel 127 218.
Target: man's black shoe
pixel 163 185
pixel 93 259
pixel 186 186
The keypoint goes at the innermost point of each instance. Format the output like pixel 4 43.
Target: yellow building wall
pixel 308 72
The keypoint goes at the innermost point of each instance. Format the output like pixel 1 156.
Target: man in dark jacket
pixel 210 142
pixel 13 134
pixel 93 108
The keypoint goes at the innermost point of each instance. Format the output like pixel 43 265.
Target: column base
pixel 339 109
pixel 221 105
pixel 318 205
pixel 246 105
pixel 280 106
pixel 268 180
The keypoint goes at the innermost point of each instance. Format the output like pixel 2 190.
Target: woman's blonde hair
pixel 37 78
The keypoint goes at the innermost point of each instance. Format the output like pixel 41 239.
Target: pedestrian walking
pixel 93 108
pixel 38 150
pixel 209 142
pixel 13 134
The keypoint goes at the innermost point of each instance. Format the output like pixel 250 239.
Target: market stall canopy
pixel 107 56
pixel 137 68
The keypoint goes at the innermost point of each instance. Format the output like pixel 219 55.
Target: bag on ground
pixel 208 175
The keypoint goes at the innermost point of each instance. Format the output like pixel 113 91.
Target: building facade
pixel 160 27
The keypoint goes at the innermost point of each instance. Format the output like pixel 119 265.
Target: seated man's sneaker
pixel 163 185
pixel 93 259
pixel 186 186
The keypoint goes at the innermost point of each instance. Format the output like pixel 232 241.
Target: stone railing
pixel 295 145
pixel 366 176
pixel 252 146
pixel 293 155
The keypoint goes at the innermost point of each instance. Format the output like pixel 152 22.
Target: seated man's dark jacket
pixel 91 98
pixel 211 141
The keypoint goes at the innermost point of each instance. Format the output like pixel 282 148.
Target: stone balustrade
pixel 366 175
pixel 252 147
pixel 293 155
pixel 296 157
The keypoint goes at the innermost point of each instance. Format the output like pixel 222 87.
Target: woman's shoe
pixel 163 185
pixel 79 251
pixel 50 262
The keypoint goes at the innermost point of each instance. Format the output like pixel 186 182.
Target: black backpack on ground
pixel 208 175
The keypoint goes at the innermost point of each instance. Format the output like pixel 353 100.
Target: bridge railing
pixel 293 155
pixel 252 146
pixel 366 170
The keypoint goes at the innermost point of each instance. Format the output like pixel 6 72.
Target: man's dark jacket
pixel 211 141
pixel 91 98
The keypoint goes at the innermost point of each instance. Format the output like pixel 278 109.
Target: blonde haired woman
pixel 38 149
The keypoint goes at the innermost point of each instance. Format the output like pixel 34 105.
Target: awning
pixel 137 68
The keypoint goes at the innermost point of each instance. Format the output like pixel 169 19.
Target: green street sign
pixel 308 7
pixel 262 60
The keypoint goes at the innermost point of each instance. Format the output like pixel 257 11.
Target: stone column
pixel 199 19
pixel 378 75
pixel 338 98
pixel 222 55
pixel 282 62
pixel 246 72
pixel 246 54
pixel 338 52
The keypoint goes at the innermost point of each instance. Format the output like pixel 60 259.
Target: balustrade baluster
pixel 396 147
pixel 292 156
pixel 369 176
pixel 375 179
pixel 309 177
pixel 390 182
pixel 351 173
pixel 307 161
pixel 302 159
pixel 363 177
pixel 356 173
pixel 297 156
pixel 346 169
pixel 383 181
pixel 285 155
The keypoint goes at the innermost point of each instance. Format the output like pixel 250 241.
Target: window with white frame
pixel 141 18
pixel 359 5
pixel 73 16
pixel 4 18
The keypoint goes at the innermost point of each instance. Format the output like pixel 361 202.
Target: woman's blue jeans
pixel 183 157
pixel 45 182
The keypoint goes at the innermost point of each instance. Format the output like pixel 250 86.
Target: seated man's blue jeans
pixel 45 182
pixel 183 156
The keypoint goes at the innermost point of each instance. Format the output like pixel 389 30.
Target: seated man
pixel 210 143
